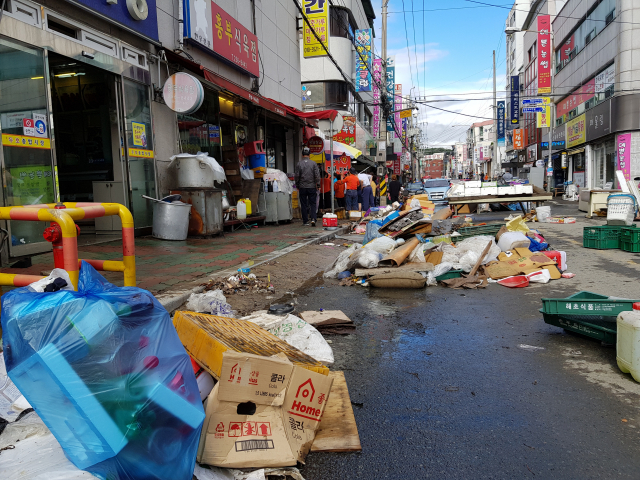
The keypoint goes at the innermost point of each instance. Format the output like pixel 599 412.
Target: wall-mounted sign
pixel 315 144
pixel 138 16
pixel 183 93
pixel 30 182
pixel 515 99
pixel 317 13
pixel 518 139
pixel 500 115
pixel 348 133
pixel 544 54
pixel 576 131
pixel 140 153
pixel 211 27
pixel 139 134
pixel 363 59
pixel 377 81
pixel 390 82
pixel 9 140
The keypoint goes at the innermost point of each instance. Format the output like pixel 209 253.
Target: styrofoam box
pixel 489 184
pixel 457 190
pixel 489 191
pixel 524 189
pixel 506 190
pixel 472 192
pixel 473 184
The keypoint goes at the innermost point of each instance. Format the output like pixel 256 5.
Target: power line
pixel 445 9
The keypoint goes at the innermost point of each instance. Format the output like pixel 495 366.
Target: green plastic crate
pixel 450 274
pixel 603 330
pixel 587 304
pixel 468 232
pixel 630 239
pixel 602 237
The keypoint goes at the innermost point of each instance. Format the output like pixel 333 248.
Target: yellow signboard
pixel 9 140
pixel 139 134
pixel 544 119
pixel 317 14
pixel 405 113
pixel 576 131
pixel 140 153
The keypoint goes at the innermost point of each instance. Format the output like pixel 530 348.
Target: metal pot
pixel 192 172
pixel 170 220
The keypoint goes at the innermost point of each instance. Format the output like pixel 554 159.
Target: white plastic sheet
pixel 342 262
pixel 213 302
pixel 55 273
pixel 284 184
pixel 296 332
pixel 218 172
pixel 382 245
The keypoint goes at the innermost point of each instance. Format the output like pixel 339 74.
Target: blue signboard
pixel 533 109
pixel 501 113
pixel 363 59
pixel 533 101
pixel 137 16
pixel 391 86
pixel 515 99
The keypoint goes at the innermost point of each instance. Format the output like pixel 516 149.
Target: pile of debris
pixel 241 283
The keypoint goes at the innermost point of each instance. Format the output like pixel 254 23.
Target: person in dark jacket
pixel 307 176
pixel 394 188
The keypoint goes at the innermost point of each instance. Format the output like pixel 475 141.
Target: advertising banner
pixel 317 13
pixel 377 81
pixel 404 133
pixel 363 60
pixel 624 155
pixel 348 133
pixel 396 165
pixel 576 131
pixel 138 17
pixel 581 95
pixel 398 106
pixel 518 139
pixel 515 100
pixel 207 24
pixel 543 120
pixel 391 84
pixel 500 115
pixel 544 54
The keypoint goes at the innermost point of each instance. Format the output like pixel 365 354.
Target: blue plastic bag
pixel 105 370
pixel 372 231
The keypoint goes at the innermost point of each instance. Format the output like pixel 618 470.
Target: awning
pixel 319 115
pixel 575 150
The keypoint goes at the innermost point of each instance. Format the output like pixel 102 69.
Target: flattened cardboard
pixel 281 430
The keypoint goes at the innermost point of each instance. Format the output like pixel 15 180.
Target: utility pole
pixel 495 122
pixel 382 132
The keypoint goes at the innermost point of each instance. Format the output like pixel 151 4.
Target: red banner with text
pixel 544 54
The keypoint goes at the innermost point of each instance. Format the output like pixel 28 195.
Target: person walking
pixel 338 190
pixel 367 192
pixel 394 189
pixel 307 176
pixel 352 182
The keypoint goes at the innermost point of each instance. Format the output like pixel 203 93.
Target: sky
pixel 450 46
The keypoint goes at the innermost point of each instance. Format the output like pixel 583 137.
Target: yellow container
pixel 207 337
pixel 247 204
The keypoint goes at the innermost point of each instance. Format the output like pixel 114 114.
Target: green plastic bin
pixel 468 232
pixel 587 304
pixel 603 330
pixel 630 239
pixel 450 274
pixel 602 237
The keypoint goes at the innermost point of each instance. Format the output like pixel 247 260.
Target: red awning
pixel 320 115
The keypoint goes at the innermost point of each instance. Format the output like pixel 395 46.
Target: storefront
pixel 102 146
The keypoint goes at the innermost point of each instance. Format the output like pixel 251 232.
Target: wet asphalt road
pixel 442 389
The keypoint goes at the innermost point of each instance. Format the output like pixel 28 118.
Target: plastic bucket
pixel 171 220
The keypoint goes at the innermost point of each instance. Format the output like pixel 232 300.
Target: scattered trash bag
pixel 382 245
pixel 517 225
pixel 417 255
pixel 511 240
pixel 56 274
pixel 29 424
pixel 296 332
pixel 371 231
pixel 477 245
pixel 107 373
pixel 364 258
pixel 341 263
pixel 212 301
pixel 343 275
pixel 438 270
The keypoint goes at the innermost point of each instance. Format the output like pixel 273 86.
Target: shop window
pixel 200 130
pixel 340 24
pixel 336 95
pixel 62 28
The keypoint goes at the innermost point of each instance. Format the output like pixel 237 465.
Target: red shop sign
pixel 234 42
pixel 316 144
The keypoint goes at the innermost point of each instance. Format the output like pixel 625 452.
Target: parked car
pixel 437 189
pixel 414 188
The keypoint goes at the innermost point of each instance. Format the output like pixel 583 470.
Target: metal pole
pixel 495 121
pixel 551 120
pixel 382 134
pixel 331 169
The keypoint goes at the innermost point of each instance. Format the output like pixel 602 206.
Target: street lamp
pixel 511 31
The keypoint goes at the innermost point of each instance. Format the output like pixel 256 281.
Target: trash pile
pixel 411 246
pixel 102 382
pixel 241 283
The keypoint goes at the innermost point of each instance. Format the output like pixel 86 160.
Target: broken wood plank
pixel 337 431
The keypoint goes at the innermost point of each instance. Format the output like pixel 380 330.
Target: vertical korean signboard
pixel 397 106
pixel 390 83
pixel 624 155
pixel 518 139
pixel 544 55
pixel 377 81
pixel 515 100
pixel 500 114
pixel 363 60
pixel 317 13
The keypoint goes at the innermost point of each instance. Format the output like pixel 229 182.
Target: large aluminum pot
pixel 170 220
pixel 193 173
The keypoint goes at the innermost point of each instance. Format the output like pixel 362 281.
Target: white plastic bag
pixel 417 255
pixel 341 263
pixel 477 245
pixel 213 302
pixel 467 261
pixel 247 174
pixel 295 332
pixel 543 214
pixel 438 270
pixel 510 240
pixel 364 258
pixel 382 245
pixel 55 273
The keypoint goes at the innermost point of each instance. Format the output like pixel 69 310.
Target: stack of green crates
pixel 586 313
pixel 605 237
pixel 630 239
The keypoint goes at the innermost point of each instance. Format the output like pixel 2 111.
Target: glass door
pixel 27 165
pixel 138 143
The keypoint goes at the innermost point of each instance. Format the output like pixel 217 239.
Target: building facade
pixel 480 138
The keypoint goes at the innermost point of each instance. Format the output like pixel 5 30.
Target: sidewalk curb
pixel 171 300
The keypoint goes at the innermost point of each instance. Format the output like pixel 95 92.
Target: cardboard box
pixel 472 191
pixel 526 261
pixel 489 190
pixel 264 412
